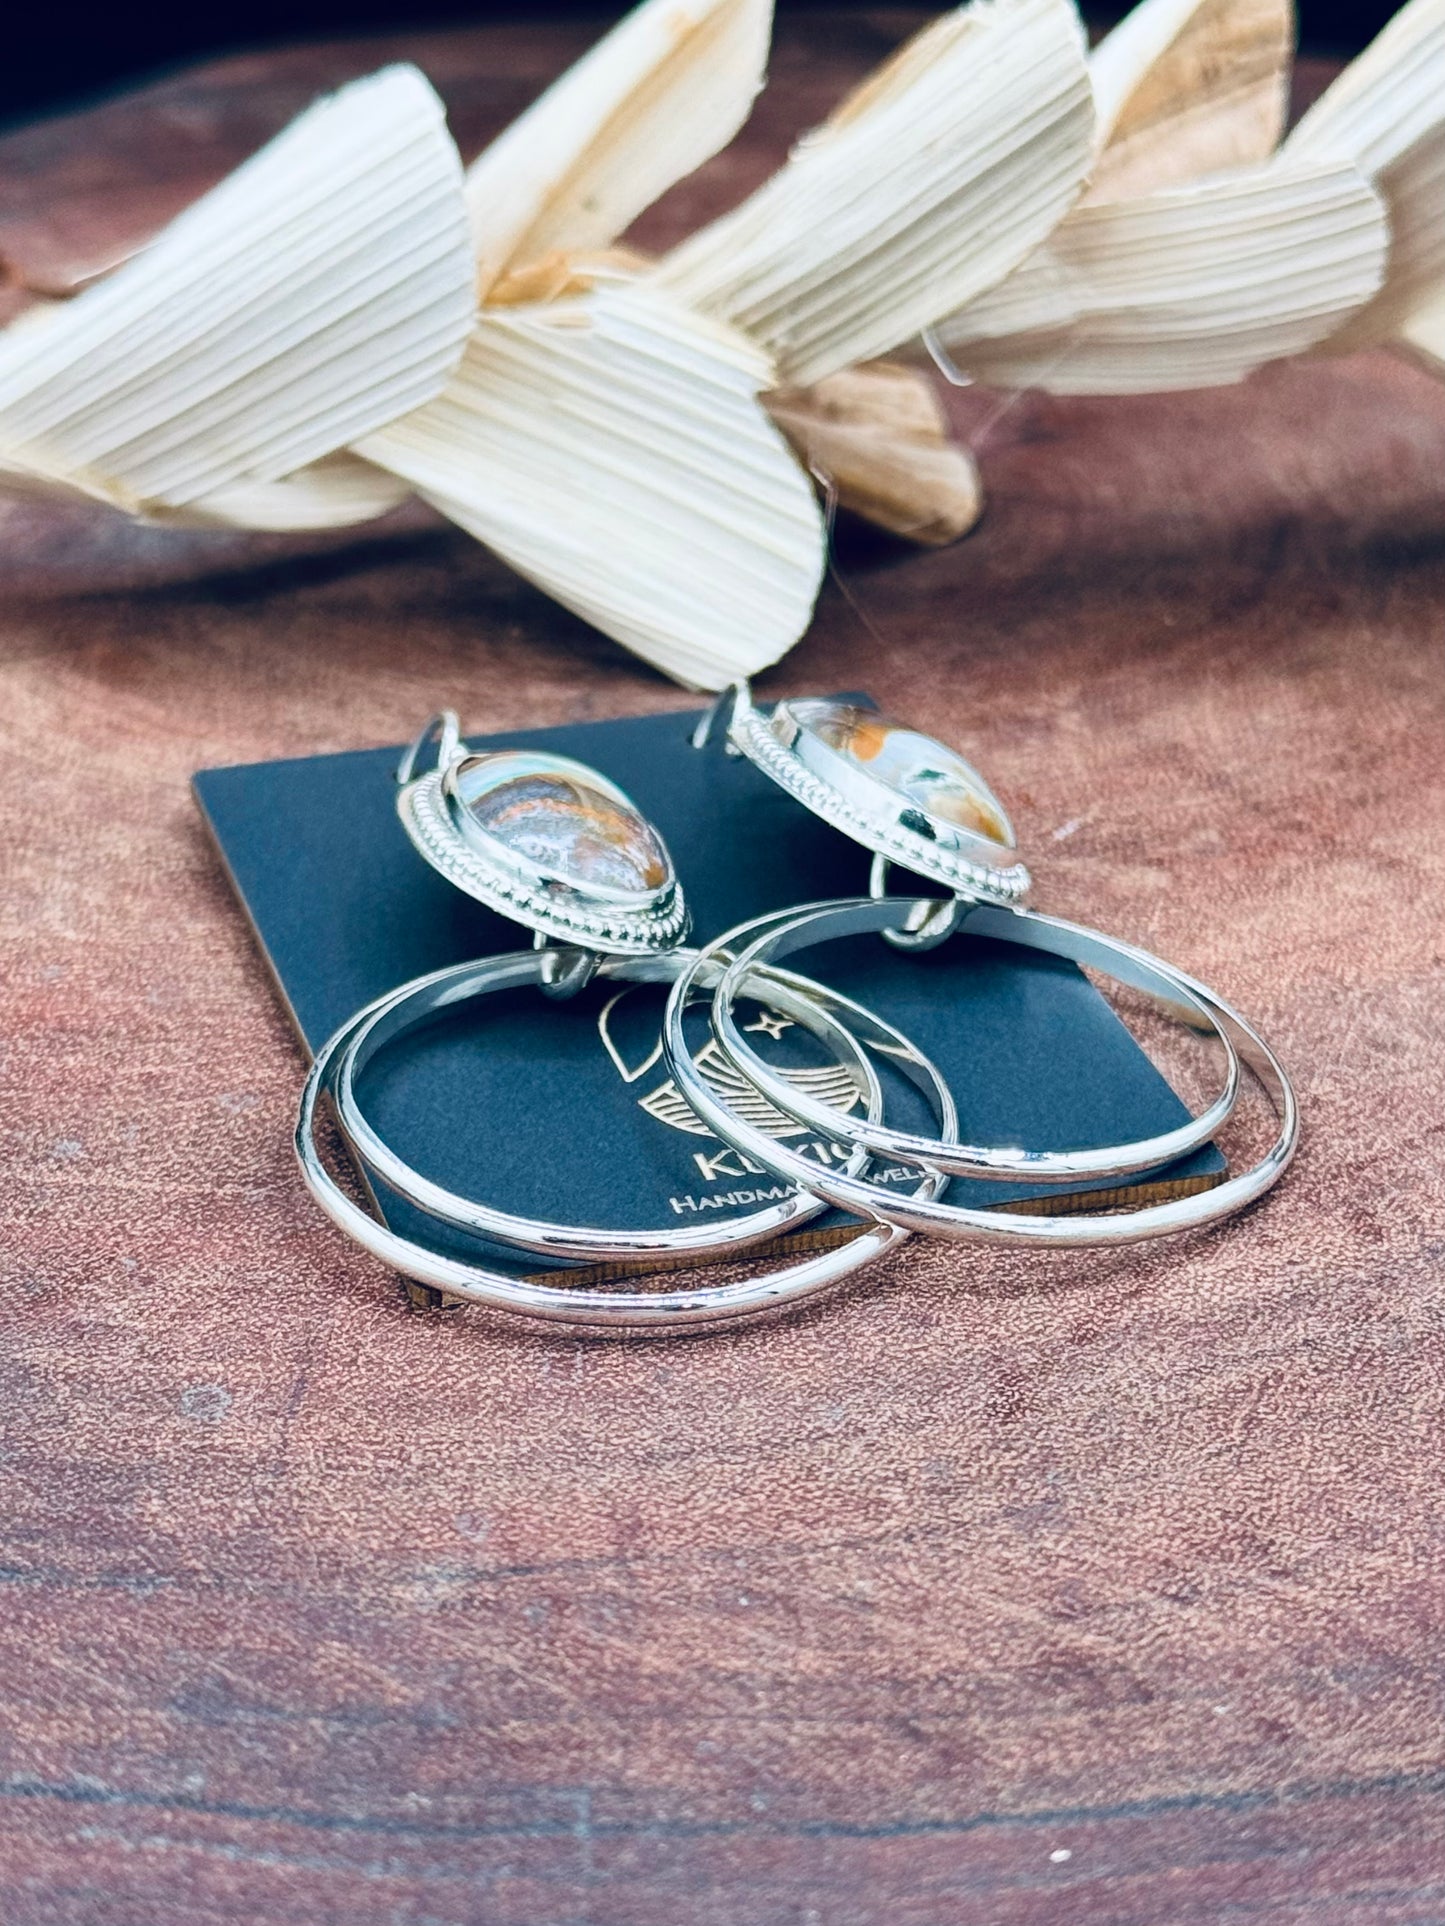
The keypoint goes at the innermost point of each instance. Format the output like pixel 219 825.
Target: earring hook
pixel 739 694
pixel 447 730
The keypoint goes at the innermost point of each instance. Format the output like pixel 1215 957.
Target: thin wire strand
pixel 830 517
pixel 978 436
pixel 974 441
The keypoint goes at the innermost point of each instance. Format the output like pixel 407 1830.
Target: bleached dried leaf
pixel 338 491
pixel 1189 288
pixel 878 438
pixel 1386 112
pixel 613 450
pixel 927 186
pixel 35 314
pixel 320 290
pixel 1424 336
pixel 1185 88
pixel 335 492
pixel 654 99
pixel 556 276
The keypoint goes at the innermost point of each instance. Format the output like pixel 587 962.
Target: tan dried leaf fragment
pixel 878 438
pixel 1185 88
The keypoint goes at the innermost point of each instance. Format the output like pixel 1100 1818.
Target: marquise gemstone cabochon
pixel 563 818
pixel 912 765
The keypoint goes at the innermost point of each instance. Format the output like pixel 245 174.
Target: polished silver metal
pixel 618 913
pixel 955 1222
pixel 701 1307
pixel 902 827
pixel 923 932
pixel 916 803
pixel 560 905
pixel 443 728
pixel 603 926
pixel 414 1004
pixel 1165 987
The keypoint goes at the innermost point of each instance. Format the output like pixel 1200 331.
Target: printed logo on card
pixel 628 1028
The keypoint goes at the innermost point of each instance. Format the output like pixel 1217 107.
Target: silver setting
pixel 869 812
pixel 592 916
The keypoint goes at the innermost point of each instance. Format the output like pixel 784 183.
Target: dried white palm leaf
pixel 654 99
pixel 925 187
pixel 280 358
pixel 612 449
pixel 319 291
pixel 335 492
pixel 1386 112
pixel 34 314
pixel 1191 287
pixel 651 101
pixel 1184 88
pixel 1424 336
pixel 1129 290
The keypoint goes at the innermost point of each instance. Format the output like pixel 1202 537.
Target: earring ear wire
pixel 740 695
pixel 448 732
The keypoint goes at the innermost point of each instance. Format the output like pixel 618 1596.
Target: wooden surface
pixel 1004 1591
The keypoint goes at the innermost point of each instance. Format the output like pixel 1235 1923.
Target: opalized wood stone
pixel 544 809
pixel 911 764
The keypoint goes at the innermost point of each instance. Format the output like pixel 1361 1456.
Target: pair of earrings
pixel 554 845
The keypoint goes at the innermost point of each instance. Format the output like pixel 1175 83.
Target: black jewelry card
pixel 565 1111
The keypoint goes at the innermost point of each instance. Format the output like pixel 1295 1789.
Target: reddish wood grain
pixel 315 1610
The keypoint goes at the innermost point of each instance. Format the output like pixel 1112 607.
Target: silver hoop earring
pixel 912 800
pixel 554 845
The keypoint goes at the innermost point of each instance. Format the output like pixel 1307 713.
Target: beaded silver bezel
pixel 564 912
pixel 880 828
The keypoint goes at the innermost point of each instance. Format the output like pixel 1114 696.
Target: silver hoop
pixel 417 1003
pixel 701 1307
pixel 962 1225
pixel 848 1191
pixel 1165 987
